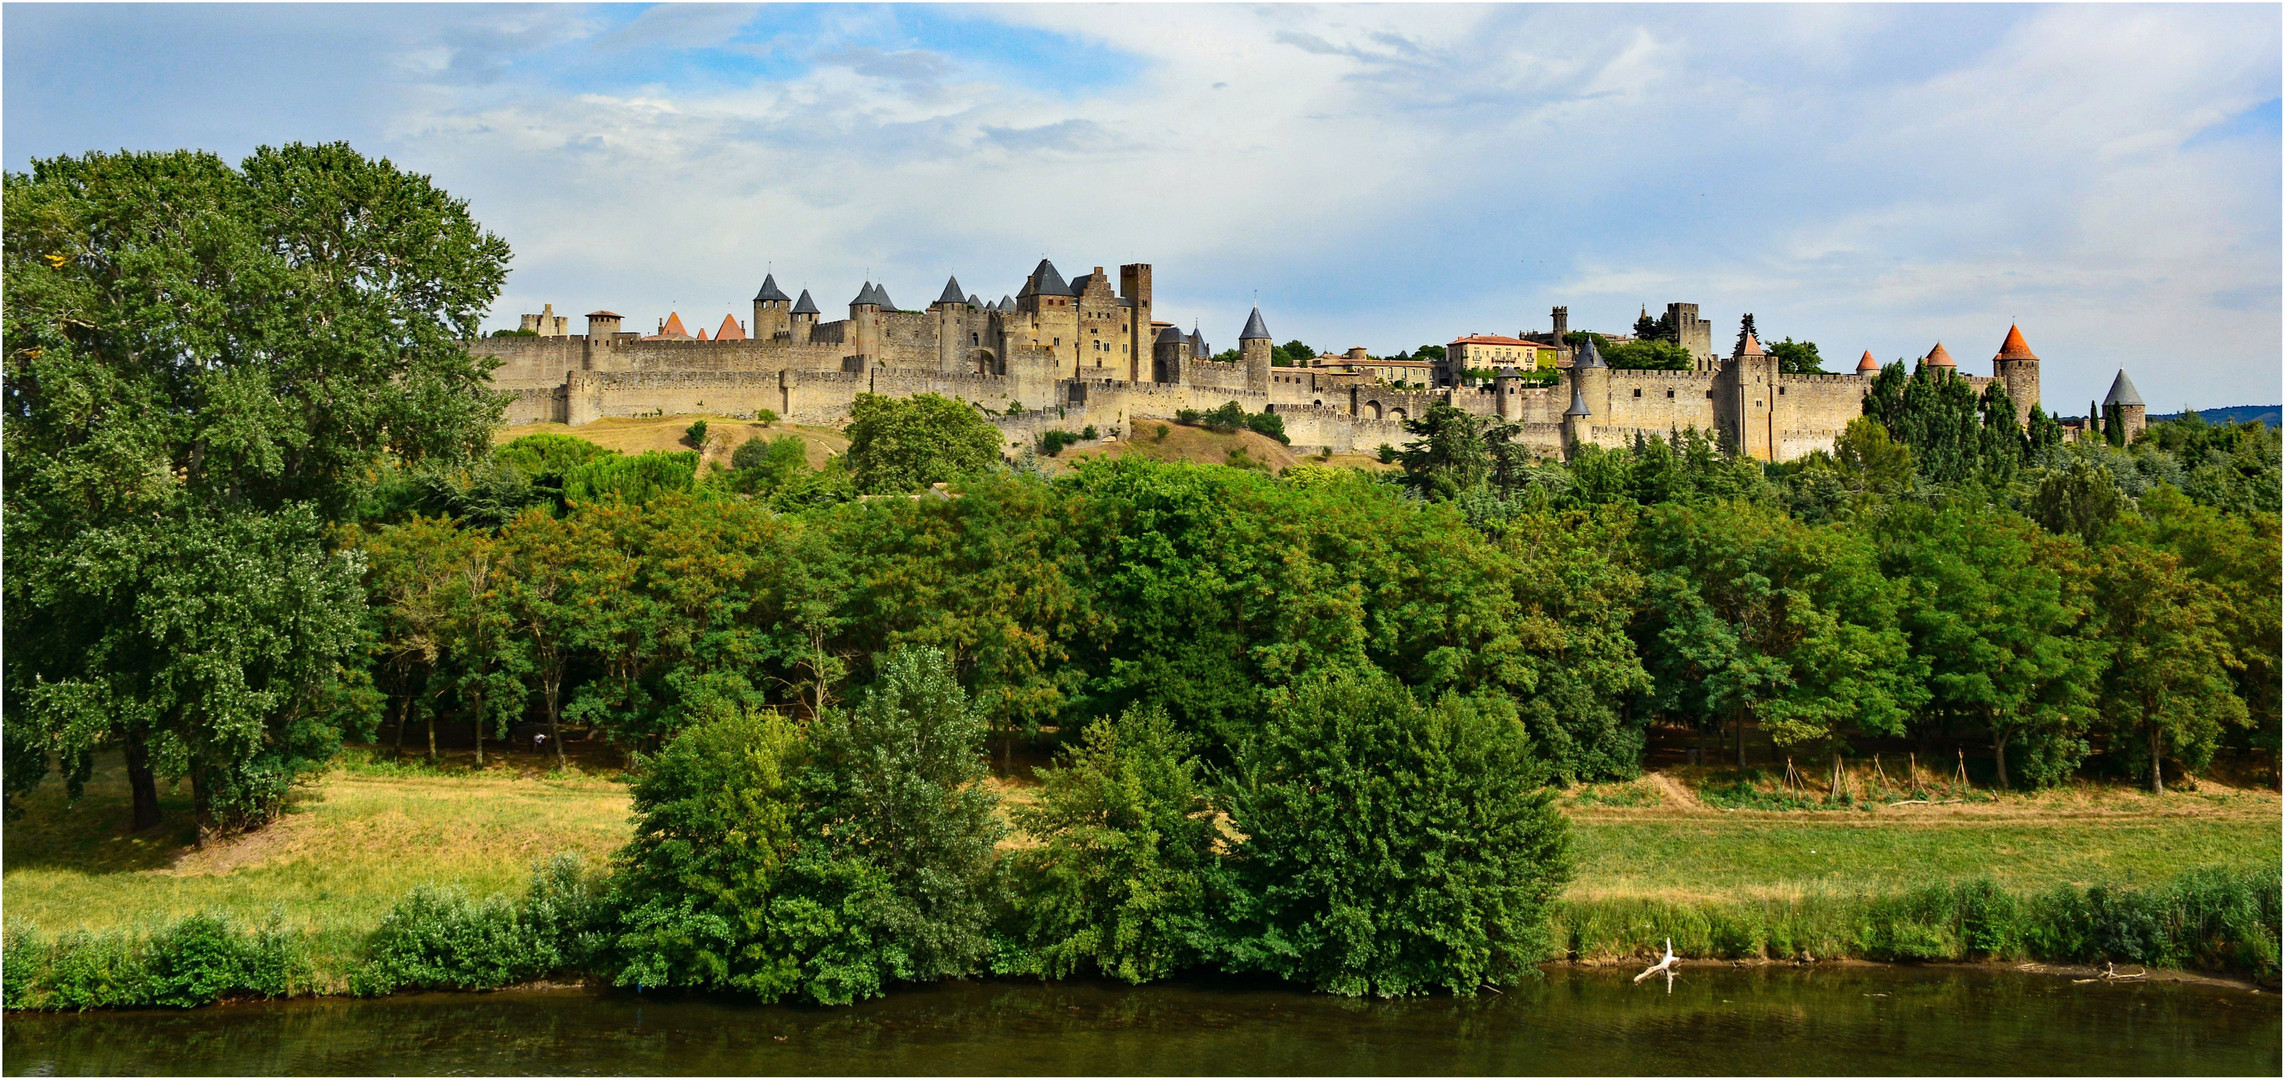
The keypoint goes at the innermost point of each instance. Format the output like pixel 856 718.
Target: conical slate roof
pixel 864 295
pixel 1044 281
pixel 1578 402
pixel 2122 392
pixel 1868 365
pixel 972 301
pixel 805 305
pixel 1169 336
pixel 881 297
pixel 2014 348
pixel 1940 357
pixel 1255 328
pixel 952 293
pixel 770 290
pixel 1590 357
pixel 1007 303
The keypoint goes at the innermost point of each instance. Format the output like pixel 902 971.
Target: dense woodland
pixel 253 510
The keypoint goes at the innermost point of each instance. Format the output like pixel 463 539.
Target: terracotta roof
pixel 673 327
pixel 1752 347
pixel 2014 348
pixel 730 330
pixel 1868 364
pixel 1493 339
pixel 1938 357
pixel 701 333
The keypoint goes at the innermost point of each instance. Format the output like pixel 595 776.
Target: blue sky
pixel 1867 177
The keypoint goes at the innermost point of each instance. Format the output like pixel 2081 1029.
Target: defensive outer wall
pixel 1073 355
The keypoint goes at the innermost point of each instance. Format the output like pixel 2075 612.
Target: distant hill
pixel 2236 414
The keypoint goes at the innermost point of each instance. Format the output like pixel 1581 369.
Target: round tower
pixel 773 314
pixel 1591 378
pixel 2125 402
pixel 1169 356
pixel 802 319
pixel 2017 368
pixel 1253 352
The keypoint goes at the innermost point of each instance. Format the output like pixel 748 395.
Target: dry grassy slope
pixel 723 435
pixel 1197 445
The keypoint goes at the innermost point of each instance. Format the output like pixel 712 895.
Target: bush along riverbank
pixel 562 928
pixel 1362 842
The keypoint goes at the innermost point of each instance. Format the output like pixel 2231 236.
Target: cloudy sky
pixel 1865 177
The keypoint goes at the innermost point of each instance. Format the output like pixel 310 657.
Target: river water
pixel 1823 1020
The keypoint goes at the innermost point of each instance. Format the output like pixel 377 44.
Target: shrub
pixel 1160 434
pixel 695 435
pixel 196 960
pixel 636 479
pixel 1088 432
pixel 1053 441
pixel 1119 884
pixel 1270 424
pixel 762 465
pixel 438 938
pixel 765 417
pixel 1386 454
pixel 1391 847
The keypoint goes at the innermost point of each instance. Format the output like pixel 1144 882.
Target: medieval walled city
pixel 1062 353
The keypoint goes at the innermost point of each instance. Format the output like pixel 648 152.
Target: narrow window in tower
pixel 1638 393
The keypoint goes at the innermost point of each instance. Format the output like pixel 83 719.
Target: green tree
pixel 2167 691
pixel 1391 847
pixel 1995 613
pixel 1650 354
pixel 897 871
pixel 1121 881
pixel 1447 456
pixel 762 466
pixel 715 821
pixel 1751 616
pixel 1797 357
pixel 905 444
pixel 203 367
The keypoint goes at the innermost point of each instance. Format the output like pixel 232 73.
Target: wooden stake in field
pixel 1793 781
pixel 1880 785
pixel 1840 781
pixel 1960 779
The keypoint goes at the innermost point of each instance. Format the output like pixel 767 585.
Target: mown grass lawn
pixel 357 840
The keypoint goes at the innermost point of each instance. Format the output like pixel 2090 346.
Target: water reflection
pixel 1779 1020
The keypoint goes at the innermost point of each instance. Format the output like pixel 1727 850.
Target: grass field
pixel 353 842
pixel 723 435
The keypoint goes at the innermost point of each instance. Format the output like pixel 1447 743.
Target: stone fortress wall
pixel 1076 353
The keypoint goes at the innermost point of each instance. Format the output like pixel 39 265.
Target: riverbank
pixel 1653 860
pixel 1826 1019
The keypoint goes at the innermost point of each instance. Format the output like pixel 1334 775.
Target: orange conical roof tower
pixel 673 327
pixel 730 330
pixel 1868 365
pixel 1752 347
pixel 1938 357
pixel 701 333
pixel 2014 348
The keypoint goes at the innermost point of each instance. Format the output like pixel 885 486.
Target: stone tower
pixel 1577 420
pixel 1560 319
pixel 773 310
pixel 802 319
pixel 865 322
pixel 1134 288
pixel 1591 378
pixel 2125 402
pixel 1169 356
pixel 1692 333
pixel 951 310
pixel 2017 368
pixel 603 325
pixel 1745 398
pixel 1253 352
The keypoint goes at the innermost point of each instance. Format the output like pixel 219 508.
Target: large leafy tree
pixel 2167 692
pixel 1391 847
pixel 905 444
pixel 1752 616
pixel 203 365
pixel 1121 880
pixel 1995 611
